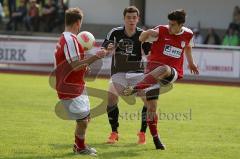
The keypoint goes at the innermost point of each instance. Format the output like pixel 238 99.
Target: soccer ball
pixel 86 39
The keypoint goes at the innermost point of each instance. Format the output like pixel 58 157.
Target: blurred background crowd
pixel 231 36
pixel 48 16
pixel 32 15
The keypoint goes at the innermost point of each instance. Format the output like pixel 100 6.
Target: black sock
pixel 144 119
pixel 113 114
pixel 158 144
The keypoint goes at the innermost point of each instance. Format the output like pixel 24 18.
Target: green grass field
pixel 29 128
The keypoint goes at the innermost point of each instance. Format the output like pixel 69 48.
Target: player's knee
pixel 168 68
pixel 165 69
pixel 152 117
pixel 112 107
pixel 152 106
pixel 112 101
pixel 151 109
pixel 112 98
pixel 82 123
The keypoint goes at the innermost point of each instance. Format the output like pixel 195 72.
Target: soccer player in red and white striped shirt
pixel 71 66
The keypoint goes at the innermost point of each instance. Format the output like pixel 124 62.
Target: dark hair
pixel 130 9
pixel 177 15
pixel 72 15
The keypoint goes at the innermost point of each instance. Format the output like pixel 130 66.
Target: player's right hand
pixel 110 47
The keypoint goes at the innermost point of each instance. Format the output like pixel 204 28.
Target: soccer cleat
pixel 158 144
pixel 113 138
pixel 141 138
pixel 129 91
pixel 86 151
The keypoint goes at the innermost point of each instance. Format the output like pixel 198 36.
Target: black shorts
pixel 153 92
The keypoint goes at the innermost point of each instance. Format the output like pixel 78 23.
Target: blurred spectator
pixel 231 38
pixel 235 24
pixel 49 15
pixel 197 37
pixel 61 8
pixel 17 16
pixel 1 12
pixel 11 7
pixel 212 38
pixel 32 19
pixel 236 14
pixel 41 2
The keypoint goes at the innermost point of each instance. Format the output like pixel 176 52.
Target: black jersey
pixel 128 53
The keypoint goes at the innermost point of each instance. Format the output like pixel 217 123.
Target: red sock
pixel 148 81
pixel 152 123
pixel 80 142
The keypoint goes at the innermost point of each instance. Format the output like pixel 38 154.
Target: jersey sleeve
pixel 71 48
pixel 189 37
pixel 191 42
pixel 109 39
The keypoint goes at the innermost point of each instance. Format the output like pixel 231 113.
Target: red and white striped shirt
pixel 69 82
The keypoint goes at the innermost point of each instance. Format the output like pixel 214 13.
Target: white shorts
pixel 121 80
pixel 127 79
pixel 79 106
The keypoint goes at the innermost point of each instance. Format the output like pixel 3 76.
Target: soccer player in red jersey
pixel 165 63
pixel 71 65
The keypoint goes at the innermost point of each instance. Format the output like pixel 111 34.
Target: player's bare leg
pixel 150 79
pixel 152 120
pixel 80 146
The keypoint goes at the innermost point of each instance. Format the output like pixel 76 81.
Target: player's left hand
pixel 88 70
pixel 193 68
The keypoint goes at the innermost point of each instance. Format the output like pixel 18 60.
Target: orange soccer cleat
pixel 113 138
pixel 141 138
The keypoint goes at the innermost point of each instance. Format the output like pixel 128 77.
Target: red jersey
pixel 168 49
pixel 69 82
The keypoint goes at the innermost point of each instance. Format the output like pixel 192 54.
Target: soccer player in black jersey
pixel 126 68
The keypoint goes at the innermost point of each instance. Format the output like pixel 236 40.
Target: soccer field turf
pixel 30 129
